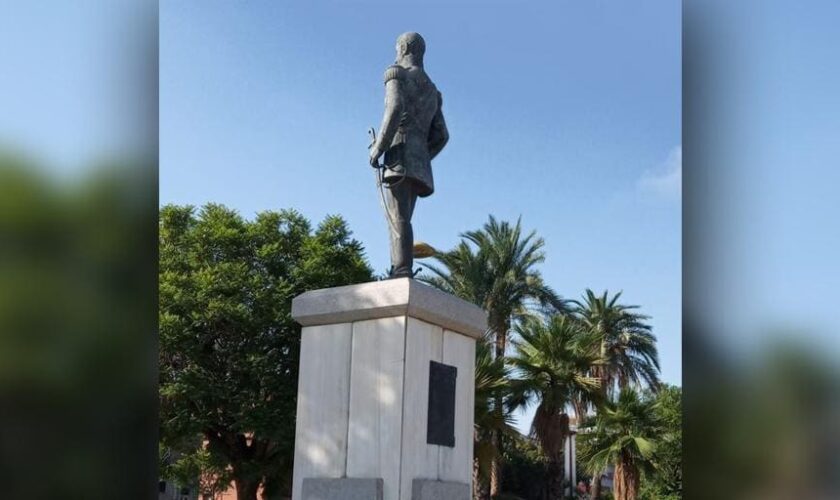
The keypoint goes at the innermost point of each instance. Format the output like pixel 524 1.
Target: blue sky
pixel 566 114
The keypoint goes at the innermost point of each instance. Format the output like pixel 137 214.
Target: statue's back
pixel 409 153
pixel 420 103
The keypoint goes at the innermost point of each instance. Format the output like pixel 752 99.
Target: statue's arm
pixel 393 111
pixel 438 134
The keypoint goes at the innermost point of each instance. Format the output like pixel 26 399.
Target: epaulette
pixel 393 72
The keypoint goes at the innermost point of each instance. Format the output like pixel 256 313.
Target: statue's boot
pixel 402 250
pixel 400 200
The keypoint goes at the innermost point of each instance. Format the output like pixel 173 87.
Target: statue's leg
pixel 400 201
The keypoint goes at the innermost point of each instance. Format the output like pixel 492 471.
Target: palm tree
pixel 492 382
pixel 495 268
pixel 553 362
pixel 626 345
pixel 621 435
pixel 626 342
pixel 463 273
pixel 500 275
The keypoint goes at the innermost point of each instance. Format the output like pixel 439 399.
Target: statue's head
pixel 411 45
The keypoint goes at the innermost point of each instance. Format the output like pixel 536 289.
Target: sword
pixel 372 134
pixel 420 250
pixel 379 172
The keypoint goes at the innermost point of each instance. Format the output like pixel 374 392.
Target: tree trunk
pixel 480 488
pixel 595 490
pixel 476 480
pixel 484 491
pixel 555 479
pixel 246 489
pixel 480 491
pixel 501 329
pixel 496 468
pixel 626 481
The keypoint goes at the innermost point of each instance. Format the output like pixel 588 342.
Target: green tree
pixel 198 470
pixel 495 267
pixel 526 475
pixel 664 482
pixel 77 328
pixel 621 435
pixel 229 348
pixel 492 384
pixel 553 360
pixel 626 345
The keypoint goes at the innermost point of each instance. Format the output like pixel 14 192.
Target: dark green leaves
pixel 228 345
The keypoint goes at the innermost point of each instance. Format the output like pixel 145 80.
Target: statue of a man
pixel 412 133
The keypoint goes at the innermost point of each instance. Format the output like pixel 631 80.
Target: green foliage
pixel 552 362
pixel 228 346
pixel 493 413
pixel 626 348
pixel 664 482
pixel 626 427
pixel 496 268
pixel 627 344
pixel 199 470
pixel 77 327
pixel 766 425
pixel 625 433
pixel 553 358
pixel 525 472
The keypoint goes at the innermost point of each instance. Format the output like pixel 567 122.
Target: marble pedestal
pixel 362 428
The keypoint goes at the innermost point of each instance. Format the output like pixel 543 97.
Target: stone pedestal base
pixel 371 405
pixel 341 489
pixel 424 489
pixel 371 489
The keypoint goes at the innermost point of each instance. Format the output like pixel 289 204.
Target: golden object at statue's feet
pixel 423 250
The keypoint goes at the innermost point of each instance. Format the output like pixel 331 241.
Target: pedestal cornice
pixel 382 299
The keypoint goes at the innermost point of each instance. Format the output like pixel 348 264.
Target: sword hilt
pixel 372 134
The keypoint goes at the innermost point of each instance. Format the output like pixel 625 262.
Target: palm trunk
pixel 246 489
pixel 555 479
pixel 595 491
pixel 626 481
pixel 603 374
pixel 480 488
pixel 501 329
pixel 483 491
pixel 496 468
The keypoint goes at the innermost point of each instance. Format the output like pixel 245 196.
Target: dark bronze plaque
pixel 440 429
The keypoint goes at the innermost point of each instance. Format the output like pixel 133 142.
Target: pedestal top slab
pixel 382 299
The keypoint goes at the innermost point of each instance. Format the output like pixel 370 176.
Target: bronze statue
pixel 413 132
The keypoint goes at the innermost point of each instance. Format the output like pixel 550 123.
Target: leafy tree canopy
pixel 228 346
